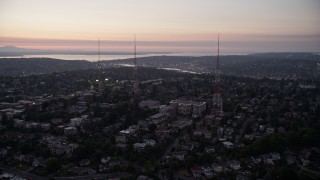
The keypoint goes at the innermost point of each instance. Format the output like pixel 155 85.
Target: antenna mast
pixel 99 48
pixel 135 56
pixel 217 99
pixel 135 77
pixel 217 73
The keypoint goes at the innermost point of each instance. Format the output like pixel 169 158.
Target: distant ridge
pixel 15 49
pixel 28 66
pixel 284 66
pixel 294 55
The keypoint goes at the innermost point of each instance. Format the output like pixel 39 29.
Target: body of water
pixel 106 57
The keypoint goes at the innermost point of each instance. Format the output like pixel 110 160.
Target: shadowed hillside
pixel 271 65
pixel 27 66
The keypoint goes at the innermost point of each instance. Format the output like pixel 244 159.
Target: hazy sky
pixel 162 25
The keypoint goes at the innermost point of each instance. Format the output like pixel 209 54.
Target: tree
pixel 154 91
pixel 152 127
pixel 52 164
pixel 272 142
pixel 120 108
pixel 189 161
pixel 174 165
pixel 25 148
pixel 4 120
pixel 288 173
pixel 205 158
pixel 310 137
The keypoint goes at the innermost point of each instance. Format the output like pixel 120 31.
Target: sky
pixel 168 25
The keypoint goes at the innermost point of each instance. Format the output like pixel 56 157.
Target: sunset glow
pixel 172 26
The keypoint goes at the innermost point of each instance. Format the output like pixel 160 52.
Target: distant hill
pixel 288 55
pixel 15 49
pixel 27 66
pixel 305 65
pixel 272 65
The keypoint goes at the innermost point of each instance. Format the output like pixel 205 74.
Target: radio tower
pixel 98 63
pixel 217 100
pixel 99 48
pixel 135 84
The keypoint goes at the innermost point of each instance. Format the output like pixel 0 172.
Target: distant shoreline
pixel 104 57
